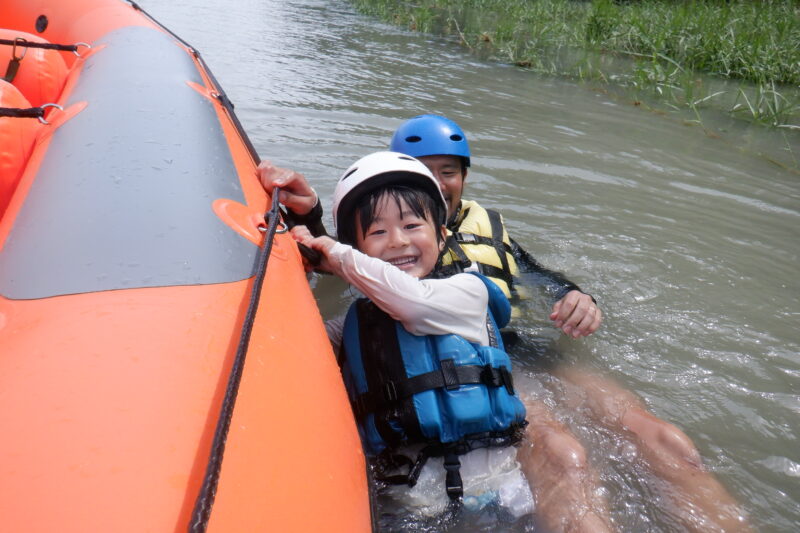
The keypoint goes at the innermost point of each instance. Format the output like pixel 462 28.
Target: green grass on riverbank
pixel 648 45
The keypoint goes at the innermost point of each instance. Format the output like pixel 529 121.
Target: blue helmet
pixel 430 135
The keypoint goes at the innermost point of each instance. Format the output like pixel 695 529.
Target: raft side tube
pixel 123 198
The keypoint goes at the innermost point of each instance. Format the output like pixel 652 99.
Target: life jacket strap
pixel 491 271
pixel 453 483
pixel 462 261
pixel 449 377
pixel 472 238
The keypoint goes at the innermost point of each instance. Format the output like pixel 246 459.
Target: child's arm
pixel 425 307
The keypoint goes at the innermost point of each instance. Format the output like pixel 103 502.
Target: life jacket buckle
pixel 507 379
pixel 490 376
pixel 453 482
pixel 498 377
pixel 467 238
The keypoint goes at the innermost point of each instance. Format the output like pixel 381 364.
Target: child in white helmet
pixel 422 358
pixel 397 236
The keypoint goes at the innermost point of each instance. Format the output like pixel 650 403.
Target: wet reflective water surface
pixel 689 242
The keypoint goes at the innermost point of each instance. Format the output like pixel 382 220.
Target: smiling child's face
pixel 400 237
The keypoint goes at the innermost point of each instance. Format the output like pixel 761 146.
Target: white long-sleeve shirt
pixel 435 307
pixel 423 306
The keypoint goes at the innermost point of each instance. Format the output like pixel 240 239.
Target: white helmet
pixel 378 170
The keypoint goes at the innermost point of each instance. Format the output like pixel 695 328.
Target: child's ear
pixel 443 230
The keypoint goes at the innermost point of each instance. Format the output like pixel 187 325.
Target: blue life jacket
pixel 439 390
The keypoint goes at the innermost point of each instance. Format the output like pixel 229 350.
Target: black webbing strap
pixel 461 261
pixel 20 41
pixel 15 112
pixel 492 271
pixel 497 234
pixel 449 377
pixel 205 500
pixel 472 238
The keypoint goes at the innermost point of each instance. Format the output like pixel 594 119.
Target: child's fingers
pixel 302 235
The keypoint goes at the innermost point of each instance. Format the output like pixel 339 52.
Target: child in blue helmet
pixel 479 235
pixel 421 358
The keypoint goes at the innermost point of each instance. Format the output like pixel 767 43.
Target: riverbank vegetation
pixel 737 56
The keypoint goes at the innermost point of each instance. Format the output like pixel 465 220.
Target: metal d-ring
pixel 280 227
pixel 87 45
pixel 41 119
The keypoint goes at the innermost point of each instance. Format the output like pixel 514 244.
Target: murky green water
pixel 689 243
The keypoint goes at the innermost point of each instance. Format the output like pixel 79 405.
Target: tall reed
pixel 655 46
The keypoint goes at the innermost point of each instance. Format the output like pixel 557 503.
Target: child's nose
pixel 399 238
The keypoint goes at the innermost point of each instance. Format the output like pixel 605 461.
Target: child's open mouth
pixel 405 261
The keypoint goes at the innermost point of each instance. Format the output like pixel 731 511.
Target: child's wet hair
pixel 419 202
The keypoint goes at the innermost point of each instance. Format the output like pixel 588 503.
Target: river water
pixel 689 242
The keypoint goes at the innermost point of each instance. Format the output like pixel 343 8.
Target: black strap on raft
pixel 205 500
pixel 31 112
pixel 19 41
pixel 15 112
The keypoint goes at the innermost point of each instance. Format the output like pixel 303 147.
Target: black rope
pixel 17 112
pixel 202 507
pixel 47 46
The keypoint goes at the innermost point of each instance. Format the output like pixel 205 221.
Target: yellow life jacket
pixel 481 237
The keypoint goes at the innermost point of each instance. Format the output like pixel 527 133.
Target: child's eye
pixel 376 232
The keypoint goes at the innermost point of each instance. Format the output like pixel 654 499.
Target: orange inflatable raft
pixel 129 249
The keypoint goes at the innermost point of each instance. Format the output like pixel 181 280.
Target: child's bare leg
pixel 564 486
pixel 702 502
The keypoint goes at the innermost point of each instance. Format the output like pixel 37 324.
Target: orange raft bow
pixel 128 239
